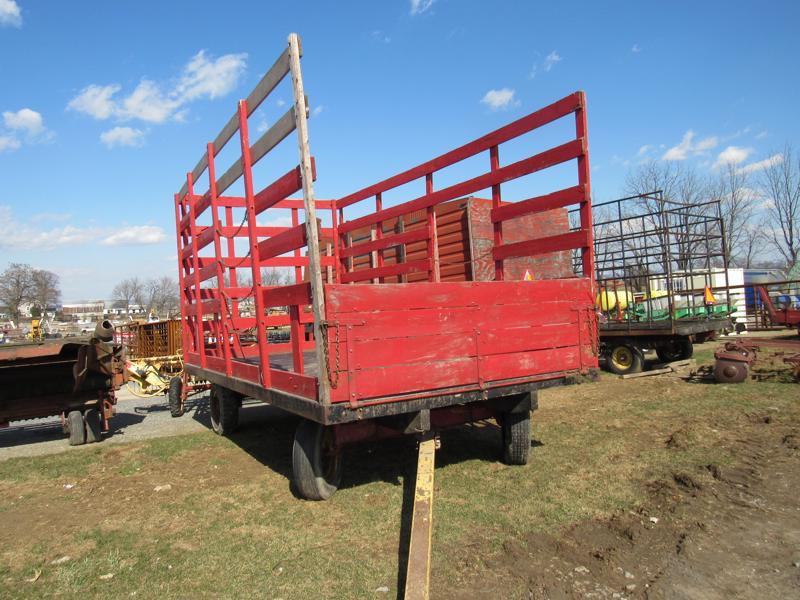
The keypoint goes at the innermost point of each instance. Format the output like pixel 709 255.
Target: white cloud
pixel 279 103
pixel 762 135
pixel 211 78
pixel 500 99
pixel 546 65
pixel 19 235
pixel 550 60
pixel 262 126
pixel 732 155
pixel 688 147
pixel 123 136
pixel 379 36
pixel 420 6
pixel 317 110
pixel 51 216
pixel 10 13
pixel 24 121
pixel 773 160
pixel 202 77
pixel 134 235
pixel 636 49
pixel 9 142
pixel 644 150
pixel 95 101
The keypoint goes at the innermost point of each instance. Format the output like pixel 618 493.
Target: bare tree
pixel 127 292
pixel 679 230
pixel 164 296
pixel 275 276
pixel 736 207
pixel 780 184
pixel 45 290
pixel 16 288
pixel 751 244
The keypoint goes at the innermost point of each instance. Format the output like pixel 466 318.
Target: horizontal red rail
pixel 287 240
pixel 543 160
pixel 559 199
pixel 384 242
pixel 416 266
pixel 545 245
pixel 550 113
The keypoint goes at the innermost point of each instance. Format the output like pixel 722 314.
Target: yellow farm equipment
pixel 155 362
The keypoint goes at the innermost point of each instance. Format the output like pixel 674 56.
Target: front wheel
pixel 316 465
pixel 623 359
pixel 76 429
pixel 224 405
pixel 516 437
pixel 174 398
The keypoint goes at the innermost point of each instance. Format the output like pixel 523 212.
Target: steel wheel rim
pixel 622 357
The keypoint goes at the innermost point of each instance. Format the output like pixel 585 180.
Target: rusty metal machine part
pixel 733 361
pixel 61 378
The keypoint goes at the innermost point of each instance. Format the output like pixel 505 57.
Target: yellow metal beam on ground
pixel 418 573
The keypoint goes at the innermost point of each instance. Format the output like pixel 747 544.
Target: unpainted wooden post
pixel 312 233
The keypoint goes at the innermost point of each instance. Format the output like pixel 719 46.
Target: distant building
pixel 84 312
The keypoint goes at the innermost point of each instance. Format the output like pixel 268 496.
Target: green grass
pixel 230 527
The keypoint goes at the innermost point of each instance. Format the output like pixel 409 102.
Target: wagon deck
pixel 374 329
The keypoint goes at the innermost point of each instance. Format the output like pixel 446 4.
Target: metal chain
pixel 332 379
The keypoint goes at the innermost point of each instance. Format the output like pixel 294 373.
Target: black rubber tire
pixel 516 429
pixel 224 408
pixel 633 364
pixel 94 425
pixel 174 397
pixel 75 426
pixel 316 469
pixel 680 349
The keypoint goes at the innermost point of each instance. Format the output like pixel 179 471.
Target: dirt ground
pixel 644 488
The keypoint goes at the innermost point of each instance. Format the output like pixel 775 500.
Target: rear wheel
pixel 623 359
pixel 174 398
pixel 224 405
pixel 680 349
pixel 94 425
pixel 316 465
pixel 77 432
pixel 516 437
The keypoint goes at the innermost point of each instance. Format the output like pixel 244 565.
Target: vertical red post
pixel 233 282
pixel 584 179
pixel 200 340
pixel 255 258
pixel 224 318
pixel 379 232
pixel 433 238
pixel 185 338
pixel 494 158
pixel 335 228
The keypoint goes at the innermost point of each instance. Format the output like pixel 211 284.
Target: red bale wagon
pixel 387 347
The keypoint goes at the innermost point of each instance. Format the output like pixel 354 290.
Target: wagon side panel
pixel 410 339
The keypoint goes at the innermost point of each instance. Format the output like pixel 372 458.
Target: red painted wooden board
pixel 413 338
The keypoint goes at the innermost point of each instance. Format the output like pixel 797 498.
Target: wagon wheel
pixel 316 463
pixel 672 350
pixel 624 358
pixel 77 432
pixel 175 396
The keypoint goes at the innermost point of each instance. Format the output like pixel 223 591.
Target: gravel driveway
pixel 136 419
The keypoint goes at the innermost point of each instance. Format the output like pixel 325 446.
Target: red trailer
pixel 383 348
pixel 785 313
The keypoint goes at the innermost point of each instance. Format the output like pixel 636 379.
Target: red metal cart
pixel 373 351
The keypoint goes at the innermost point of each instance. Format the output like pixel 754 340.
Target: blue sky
pixel 105 105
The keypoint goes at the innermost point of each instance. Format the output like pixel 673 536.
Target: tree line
pixel 760 209
pixel 21 285
pixel 157 296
